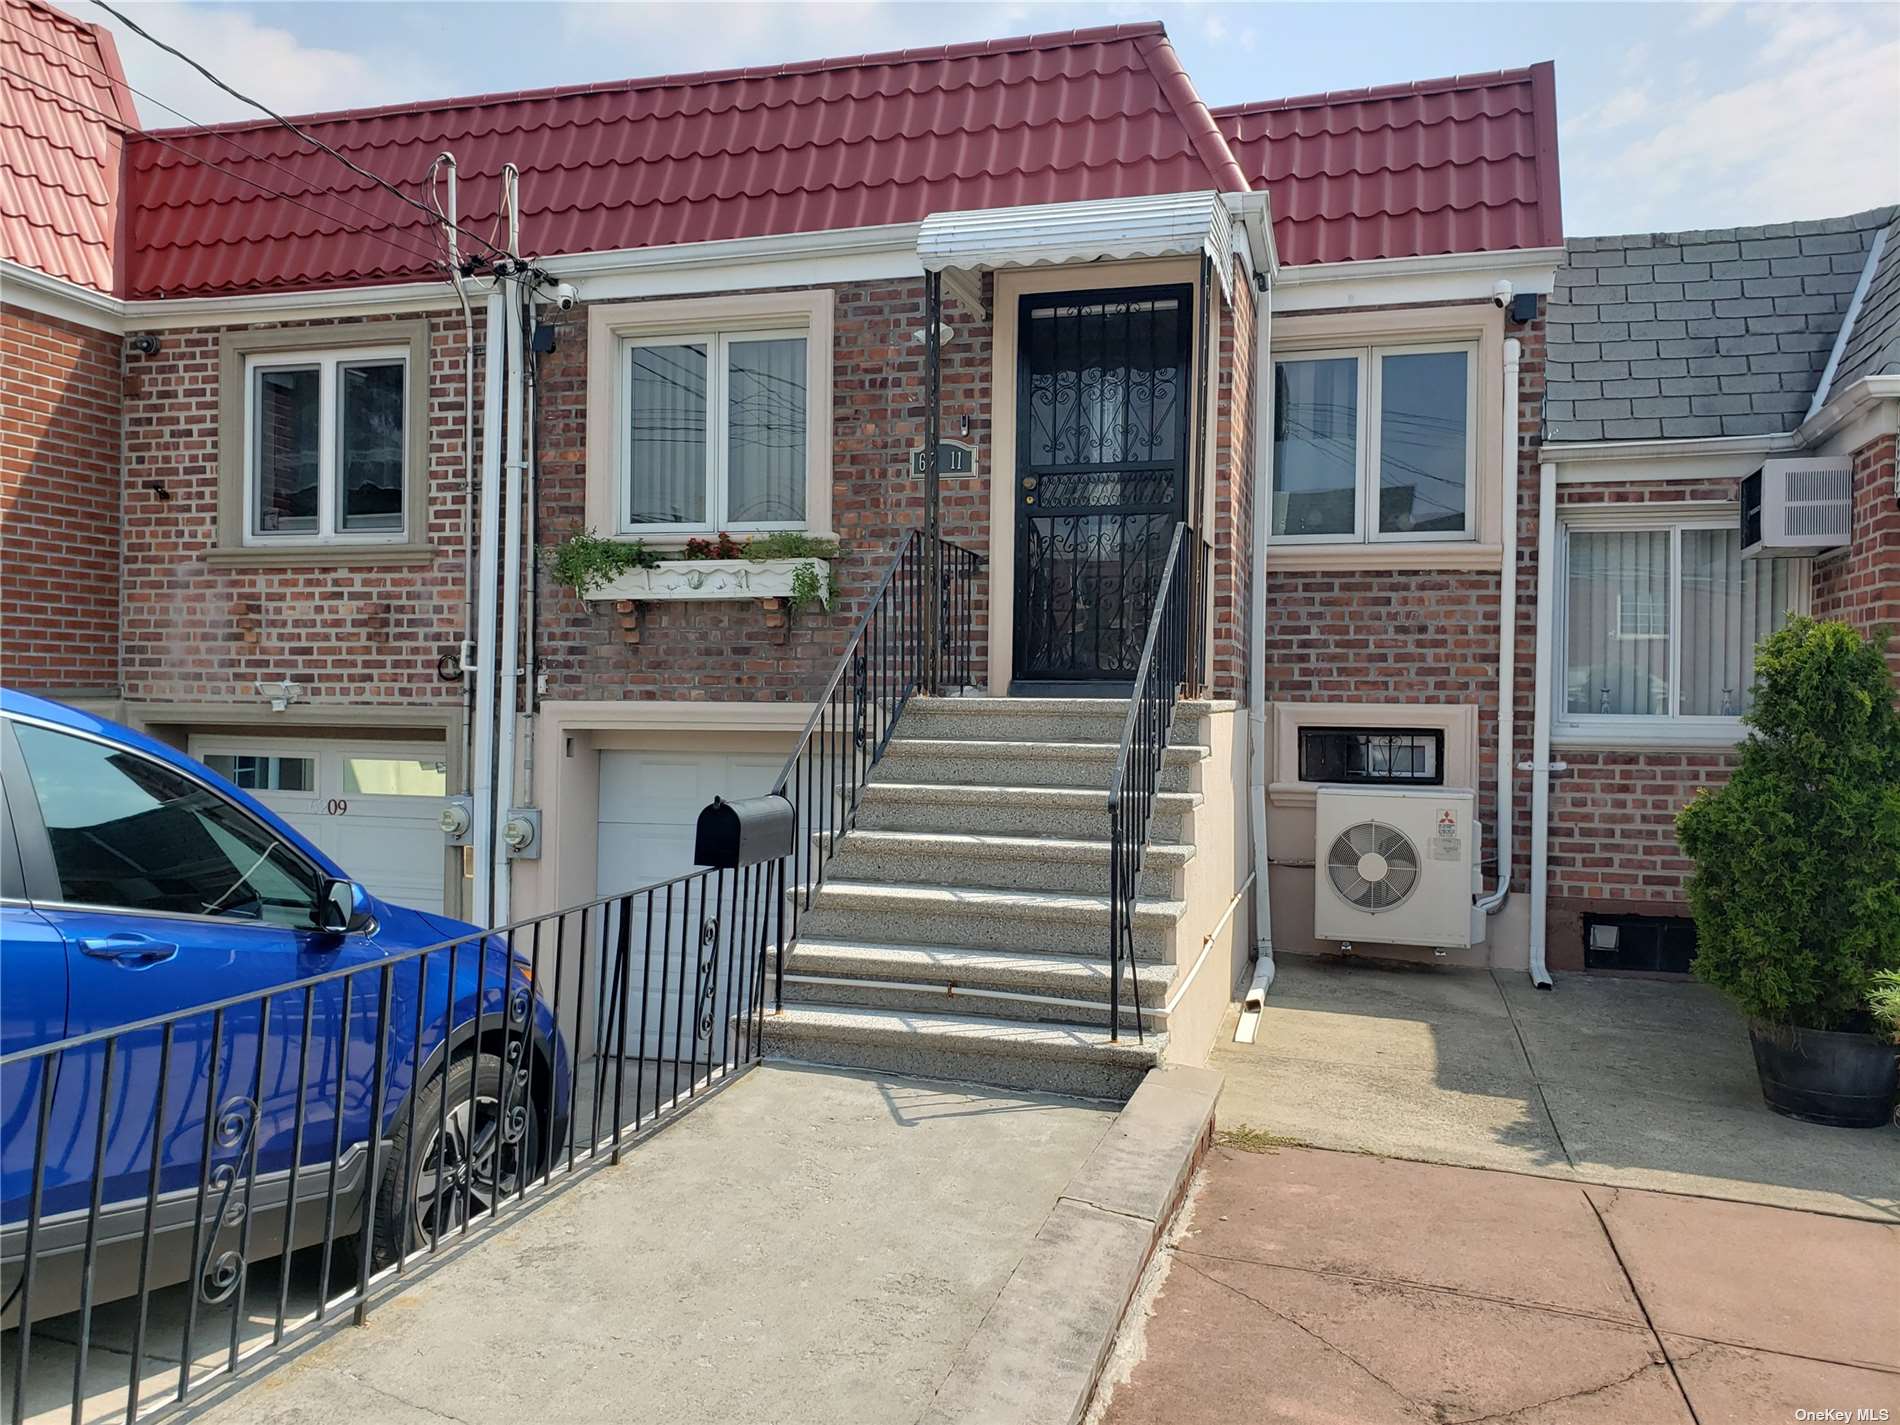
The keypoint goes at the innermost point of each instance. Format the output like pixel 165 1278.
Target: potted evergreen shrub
pixel 1796 889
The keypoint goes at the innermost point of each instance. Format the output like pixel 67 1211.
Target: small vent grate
pixel 1373 866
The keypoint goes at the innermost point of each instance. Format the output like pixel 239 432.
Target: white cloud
pixel 1802 129
pixel 264 61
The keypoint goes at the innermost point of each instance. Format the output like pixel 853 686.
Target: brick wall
pixel 1233 513
pixel 59 499
pixel 729 650
pixel 195 630
pixel 1863 585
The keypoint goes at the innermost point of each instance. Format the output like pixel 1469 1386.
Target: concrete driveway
pixel 1627 1082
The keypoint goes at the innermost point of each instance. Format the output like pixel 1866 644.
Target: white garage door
pixel 370 806
pixel 649 806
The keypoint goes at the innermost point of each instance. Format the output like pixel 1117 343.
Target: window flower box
pixel 684 579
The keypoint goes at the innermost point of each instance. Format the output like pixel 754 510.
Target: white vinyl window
pixel 1660 624
pixel 325 447
pixel 714 432
pixel 1375 443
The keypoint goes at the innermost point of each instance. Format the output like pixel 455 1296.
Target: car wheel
pixel 442 1168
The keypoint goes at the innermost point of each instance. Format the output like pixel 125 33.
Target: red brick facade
pixel 59 498
pixel 1863 585
pixel 198 630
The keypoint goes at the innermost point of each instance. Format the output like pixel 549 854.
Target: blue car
pixel 137 885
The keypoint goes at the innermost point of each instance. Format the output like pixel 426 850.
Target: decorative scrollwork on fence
pixel 708 980
pixel 220 1272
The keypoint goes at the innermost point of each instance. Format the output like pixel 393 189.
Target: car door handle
pixel 136 951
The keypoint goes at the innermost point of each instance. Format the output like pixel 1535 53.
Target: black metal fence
pixel 1173 658
pixel 184 1196
pixel 891 657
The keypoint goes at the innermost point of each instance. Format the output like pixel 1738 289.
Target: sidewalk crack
pixel 388 1394
pixel 1641 1305
pixel 1341 1351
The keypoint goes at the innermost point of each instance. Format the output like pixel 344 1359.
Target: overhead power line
pixel 434 260
pixel 303 134
pixel 226 139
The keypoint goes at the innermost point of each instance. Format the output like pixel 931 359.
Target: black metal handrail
pixel 398 1102
pixel 890 658
pixel 1172 658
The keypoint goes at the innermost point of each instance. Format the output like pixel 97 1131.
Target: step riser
pixel 917 814
pixel 1033 976
pixel 938 720
pixel 925 999
pixel 923 1059
pixel 1025 769
pixel 931 868
pixel 972 929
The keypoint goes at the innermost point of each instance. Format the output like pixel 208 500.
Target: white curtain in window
pixel 765 431
pixel 666 415
pixel 1729 604
pixel 1617 643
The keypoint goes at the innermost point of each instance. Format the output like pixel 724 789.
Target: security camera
pixel 560 295
pixel 1501 294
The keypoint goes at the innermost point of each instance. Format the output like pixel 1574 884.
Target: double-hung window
pixel 715 431
pixel 326 446
pixel 1660 625
pixel 1375 443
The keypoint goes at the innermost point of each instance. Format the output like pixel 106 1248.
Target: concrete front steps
pixel 961 930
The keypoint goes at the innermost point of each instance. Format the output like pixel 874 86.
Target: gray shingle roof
pixel 1873 345
pixel 1719 332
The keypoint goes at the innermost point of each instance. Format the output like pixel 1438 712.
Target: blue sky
pixel 1672 115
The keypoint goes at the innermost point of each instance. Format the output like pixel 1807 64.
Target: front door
pixel 1103 412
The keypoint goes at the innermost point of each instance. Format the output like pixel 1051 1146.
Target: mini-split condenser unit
pixel 1797 507
pixel 1397 866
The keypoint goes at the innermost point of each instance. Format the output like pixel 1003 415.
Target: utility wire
pixel 223 138
pixel 432 259
pixel 303 134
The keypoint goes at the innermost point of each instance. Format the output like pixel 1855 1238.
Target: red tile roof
pixel 832 144
pixel 63 110
pixel 1411 170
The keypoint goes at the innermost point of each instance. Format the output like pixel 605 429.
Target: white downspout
pixel 1540 764
pixel 483 783
pixel 1507 635
pixel 1256 995
pixel 511 553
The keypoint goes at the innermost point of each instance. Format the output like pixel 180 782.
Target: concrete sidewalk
pixel 808 1246
pixel 1304 1287
pixel 1628 1082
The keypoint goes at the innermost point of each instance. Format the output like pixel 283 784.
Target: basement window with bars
pixel 1372 757
pixel 326 446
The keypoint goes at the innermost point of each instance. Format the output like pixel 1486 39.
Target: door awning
pixel 964 245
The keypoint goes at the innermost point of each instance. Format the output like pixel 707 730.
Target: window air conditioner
pixel 1797 507
pixel 1397 867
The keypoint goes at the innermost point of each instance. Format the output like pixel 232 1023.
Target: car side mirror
pixel 346 909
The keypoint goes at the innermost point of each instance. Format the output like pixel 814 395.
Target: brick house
pixel 1679 365
pixel 270 405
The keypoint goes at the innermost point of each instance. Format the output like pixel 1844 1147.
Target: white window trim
pixel 329 529
pixel 1371 365
pixel 718 485
pixel 1649 729
pixel 613 328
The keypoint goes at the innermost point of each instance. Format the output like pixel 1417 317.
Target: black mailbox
pixel 744 833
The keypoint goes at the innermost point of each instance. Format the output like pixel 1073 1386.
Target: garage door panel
pixel 649 808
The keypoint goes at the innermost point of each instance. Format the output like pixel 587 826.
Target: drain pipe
pixel 1540 765
pixel 511 549
pixel 483 784
pixel 1507 635
pixel 1256 995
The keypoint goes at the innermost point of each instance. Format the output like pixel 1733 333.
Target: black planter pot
pixel 1825 1076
